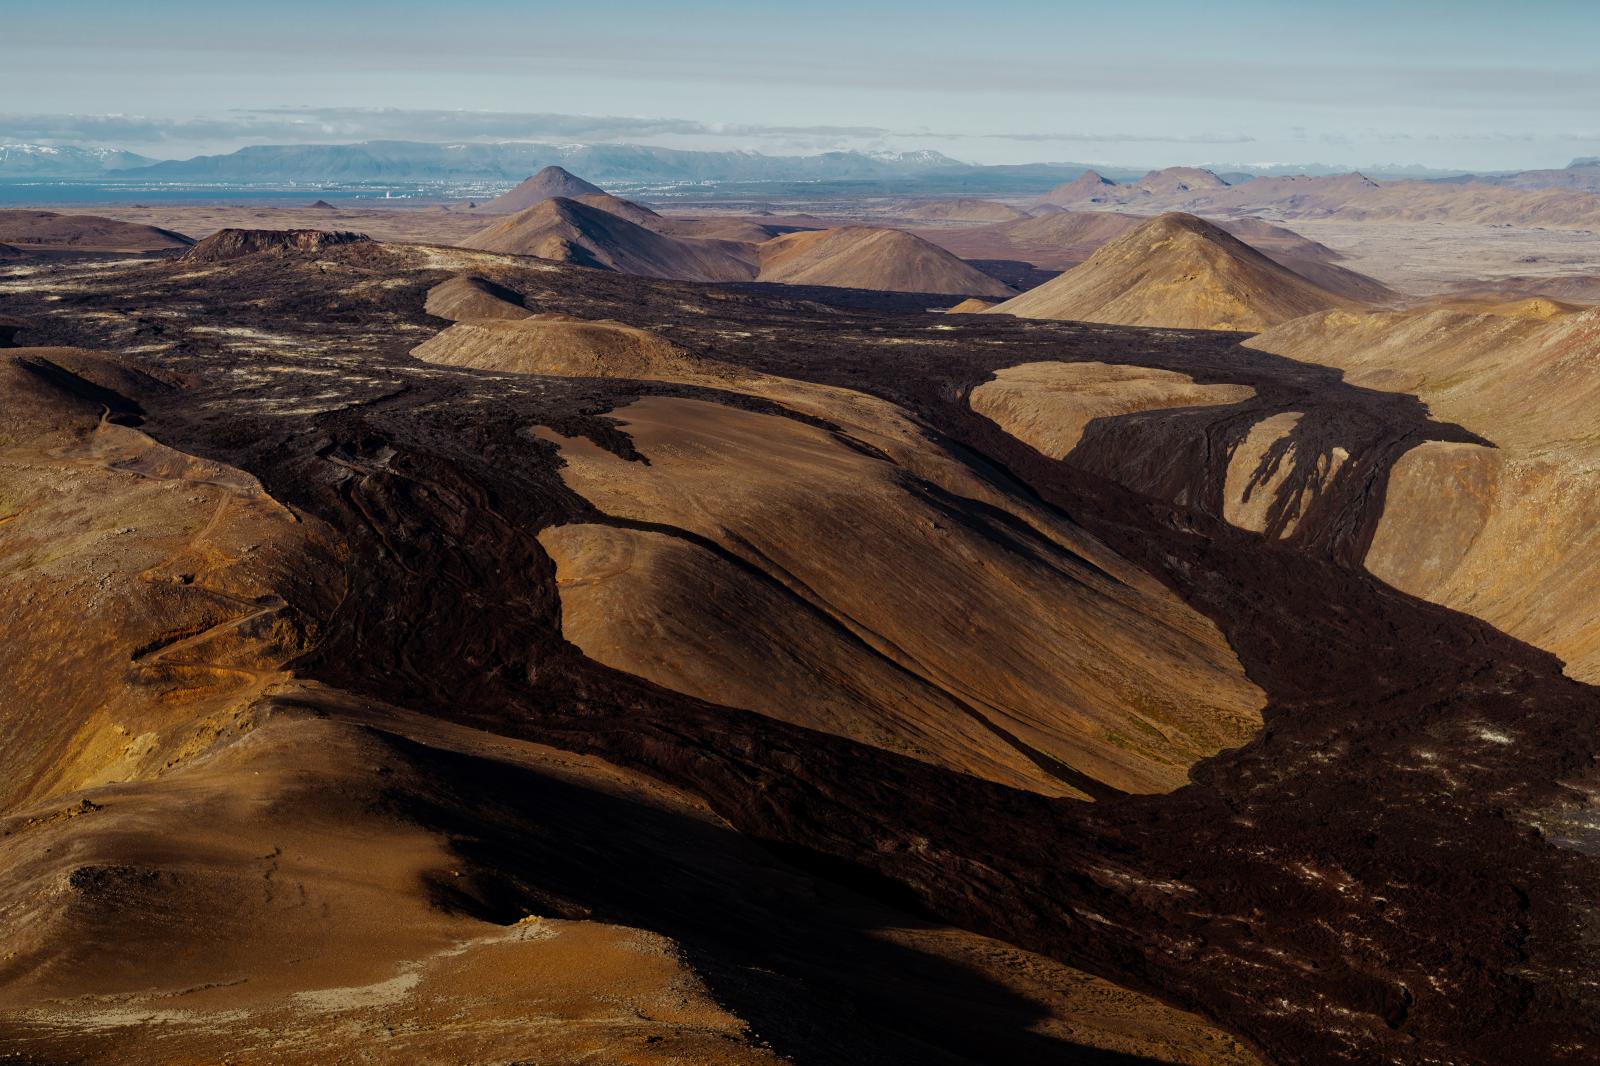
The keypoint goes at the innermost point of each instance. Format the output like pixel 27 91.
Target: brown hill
pixel 1176 181
pixel 466 297
pixel 861 257
pixel 571 232
pixel 1061 239
pixel 1177 271
pixel 549 182
pixel 964 210
pixel 52 231
pixel 233 243
pixel 1088 188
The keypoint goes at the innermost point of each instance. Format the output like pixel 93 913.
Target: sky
pixel 1471 84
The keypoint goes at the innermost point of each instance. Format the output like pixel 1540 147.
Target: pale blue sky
pixel 1465 84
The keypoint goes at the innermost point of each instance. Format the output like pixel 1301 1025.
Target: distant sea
pixel 44 192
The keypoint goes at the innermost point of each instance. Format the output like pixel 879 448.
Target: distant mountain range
pixel 642 167
pixel 65 161
pixel 613 164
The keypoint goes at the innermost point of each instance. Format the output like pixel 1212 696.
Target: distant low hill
pixel 50 231
pixel 963 210
pixel 1520 200
pixel 1177 271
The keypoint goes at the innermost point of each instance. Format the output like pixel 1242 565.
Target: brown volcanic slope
pixel 1508 532
pixel 545 185
pixel 616 205
pixel 903 672
pixel 571 232
pixel 1350 197
pixel 48 231
pixel 861 257
pixel 1176 271
pixel 1395 869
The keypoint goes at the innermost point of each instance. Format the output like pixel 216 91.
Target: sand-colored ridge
pixel 1176 271
pixel 1049 405
pixel 1506 532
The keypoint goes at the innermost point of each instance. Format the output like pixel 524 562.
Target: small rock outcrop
pixel 234 243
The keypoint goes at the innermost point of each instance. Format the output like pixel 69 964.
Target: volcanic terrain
pixel 425 654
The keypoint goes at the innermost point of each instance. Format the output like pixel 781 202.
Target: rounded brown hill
pixel 233 243
pixel 571 232
pixel 549 182
pixel 50 231
pixel 1177 271
pixel 466 298
pixel 860 257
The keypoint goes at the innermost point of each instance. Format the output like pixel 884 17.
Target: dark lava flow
pixel 1361 883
